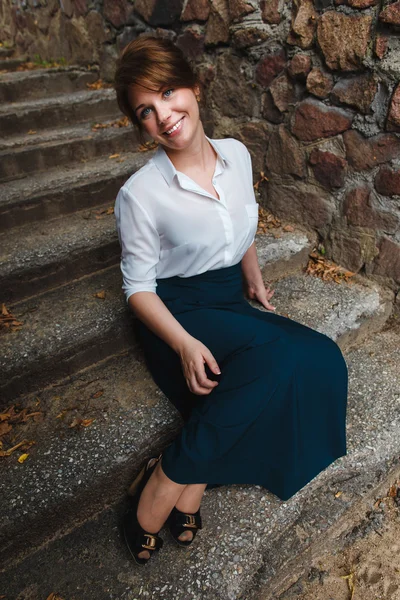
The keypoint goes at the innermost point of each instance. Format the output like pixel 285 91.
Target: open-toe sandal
pixel 136 538
pixel 178 522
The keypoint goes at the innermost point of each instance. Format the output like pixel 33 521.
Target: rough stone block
pixel 284 155
pixel 191 42
pixel 196 10
pixel 247 36
pixel 387 262
pixel 381 45
pixel 343 39
pixel 304 22
pixel 299 66
pixel 299 202
pixel 358 207
pixel 391 14
pixel 269 67
pixel 270 11
pixel 314 120
pixel 357 92
pixel 255 136
pixel 239 9
pixel 364 153
pixel 282 92
pixel 218 23
pixel 231 93
pixel 387 181
pixel 393 121
pixel 319 83
pixel 329 169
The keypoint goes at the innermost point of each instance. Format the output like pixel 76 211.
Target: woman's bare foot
pixel 189 502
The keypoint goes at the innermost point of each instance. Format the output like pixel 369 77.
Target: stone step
pixel 68 328
pixel 250 540
pixel 22 154
pixel 10 64
pixel 6 52
pixel 58 111
pixel 60 250
pixel 20 86
pixel 57 192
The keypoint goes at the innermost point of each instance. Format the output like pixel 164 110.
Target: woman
pixel 255 411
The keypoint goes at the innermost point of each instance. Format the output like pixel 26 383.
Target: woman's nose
pixel 163 116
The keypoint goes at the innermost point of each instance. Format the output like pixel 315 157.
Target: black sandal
pixel 136 538
pixel 178 522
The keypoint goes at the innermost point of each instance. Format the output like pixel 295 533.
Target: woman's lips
pixel 177 130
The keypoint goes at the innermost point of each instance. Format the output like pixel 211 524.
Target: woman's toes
pixel 144 554
pixel 186 536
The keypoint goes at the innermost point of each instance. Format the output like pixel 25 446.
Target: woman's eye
pixel 143 114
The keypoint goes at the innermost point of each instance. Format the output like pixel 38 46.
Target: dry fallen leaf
pixel 338 494
pixel 25 445
pixel 98 394
pixel 288 228
pixel 100 295
pixel 98 85
pixel 5 428
pixel 114 156
pixel 147 146
pixel 7 319
pixel 31 132
pixel 326 270
pixel 80 422
pixel 124 122
pixel 23 458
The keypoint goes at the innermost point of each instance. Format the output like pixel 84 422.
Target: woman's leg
pixel 156 502
pixel 159 497
pixel 189 502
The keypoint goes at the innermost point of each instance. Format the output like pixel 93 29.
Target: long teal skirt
pixel 277 417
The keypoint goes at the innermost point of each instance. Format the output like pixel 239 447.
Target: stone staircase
pixel 75 366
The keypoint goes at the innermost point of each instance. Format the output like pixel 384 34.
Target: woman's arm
pixel 151 310
pixel 253 284
pixel 250 268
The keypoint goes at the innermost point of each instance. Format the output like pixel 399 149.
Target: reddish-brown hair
pixel 152 63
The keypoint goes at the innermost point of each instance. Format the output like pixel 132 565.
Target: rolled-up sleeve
pixel 140 245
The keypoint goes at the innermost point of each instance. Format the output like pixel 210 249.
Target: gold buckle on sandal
pixel 151 542
pixel 190 521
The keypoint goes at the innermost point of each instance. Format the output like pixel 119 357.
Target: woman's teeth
pixel 175 127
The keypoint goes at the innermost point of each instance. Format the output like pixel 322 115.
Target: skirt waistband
pixel 214 286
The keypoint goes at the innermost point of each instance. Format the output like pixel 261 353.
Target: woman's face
pixel 159 112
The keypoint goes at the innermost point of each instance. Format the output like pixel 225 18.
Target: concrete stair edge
pixel 61 110
pixel 38 83
pixel 54 193
pixel 68 146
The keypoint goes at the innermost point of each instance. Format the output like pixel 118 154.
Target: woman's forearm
pixel 250 268
pixel 151 310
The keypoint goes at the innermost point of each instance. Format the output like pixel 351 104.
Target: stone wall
pixel 311 87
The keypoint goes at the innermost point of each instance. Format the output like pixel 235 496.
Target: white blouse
pixel 168 225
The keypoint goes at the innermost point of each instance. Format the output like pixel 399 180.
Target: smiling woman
pixel 187 220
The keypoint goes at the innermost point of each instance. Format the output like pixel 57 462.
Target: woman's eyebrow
pixel 140 106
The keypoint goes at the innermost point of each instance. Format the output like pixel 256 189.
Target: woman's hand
pixel 260 293
pixel 193 355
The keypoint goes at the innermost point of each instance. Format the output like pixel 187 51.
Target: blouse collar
pixel 166 167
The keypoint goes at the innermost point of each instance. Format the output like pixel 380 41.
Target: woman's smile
pixel 175 129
